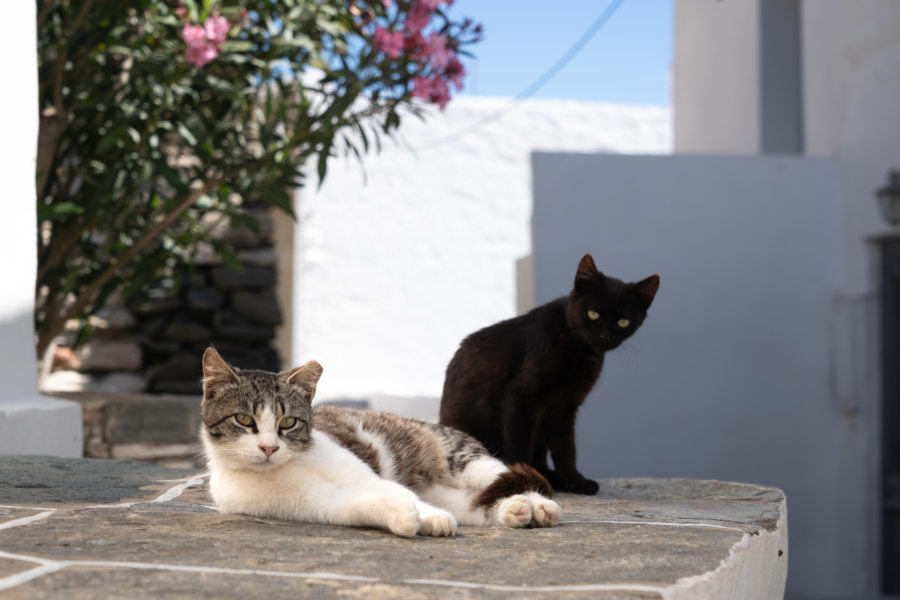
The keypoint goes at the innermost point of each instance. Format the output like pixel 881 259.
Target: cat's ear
pixel 216 371
pixel 306 376
pixel 646 289
pixel 587 273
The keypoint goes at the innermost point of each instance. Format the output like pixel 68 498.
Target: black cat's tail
pixel 519 479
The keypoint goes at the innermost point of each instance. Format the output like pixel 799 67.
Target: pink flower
pixel 455 72
pixel 193 35
pixel 203 40
pixel 216 28
pixel 387 3
pixel 389 42
pixel 414 43
pixel 436 51
pixel 419 15
pixel 201 54
pixel 432 89
pixel 440 92
pixel 422 88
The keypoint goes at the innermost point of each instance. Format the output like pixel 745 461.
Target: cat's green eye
pixel 287 422
pixel 623 323
pixel 242 419
pixel 593 315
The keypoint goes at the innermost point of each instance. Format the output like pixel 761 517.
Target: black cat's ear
pixel 587 272
pixel 306 376
pixel 216 371
pixel 646 289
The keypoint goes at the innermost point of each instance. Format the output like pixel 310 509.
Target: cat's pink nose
pixel 269 450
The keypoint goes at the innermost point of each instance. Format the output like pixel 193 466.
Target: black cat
pixel 517 385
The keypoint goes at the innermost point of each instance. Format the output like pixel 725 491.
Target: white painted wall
pixel 789 398
pixel 395 267
pixel 29 423
pixel 852 91
pixel 730 377
pixel 716 88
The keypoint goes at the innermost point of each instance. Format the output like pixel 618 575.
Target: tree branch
pixel 89 294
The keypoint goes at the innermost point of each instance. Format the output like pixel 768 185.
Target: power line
pixel 569 54
pixel 538 83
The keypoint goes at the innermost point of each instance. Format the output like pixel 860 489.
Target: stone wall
pixel 161 428
pixel 155 345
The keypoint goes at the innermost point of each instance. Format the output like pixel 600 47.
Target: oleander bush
pixel 154 114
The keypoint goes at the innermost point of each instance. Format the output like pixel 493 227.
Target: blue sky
pixel 628 61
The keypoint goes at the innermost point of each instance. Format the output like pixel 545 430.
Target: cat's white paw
pixel 437 523
pixel 545 512
pixel 514 511
pixel 402 517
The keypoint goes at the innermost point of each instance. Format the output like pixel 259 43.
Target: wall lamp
pixel 889 198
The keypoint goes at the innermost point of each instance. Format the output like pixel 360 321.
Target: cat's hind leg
pixel 512 511
pixel 544 511
pixel 520 497
pixel 492 493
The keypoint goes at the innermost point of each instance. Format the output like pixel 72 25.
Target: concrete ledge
pixel 40 425
pixel 95 528
pixel 158 427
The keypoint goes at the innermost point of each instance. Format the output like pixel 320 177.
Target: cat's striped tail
pixel 520 478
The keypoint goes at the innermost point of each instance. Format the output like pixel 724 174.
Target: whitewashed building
pixel 29 423
pixel 766 354
pixel 397 261
pixel 770 354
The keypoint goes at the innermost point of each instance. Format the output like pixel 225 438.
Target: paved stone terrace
pixel 82 528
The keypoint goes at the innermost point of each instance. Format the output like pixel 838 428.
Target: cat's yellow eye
pixel 623 323
pixel 245 420
pixel 287 422
pixel 593 315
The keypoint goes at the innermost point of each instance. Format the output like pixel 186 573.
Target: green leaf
pixel 58 210
pixel 228 256
pixel 84 334
pixel 186 134
pixel 234 46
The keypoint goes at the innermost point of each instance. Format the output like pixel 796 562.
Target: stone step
pixel 81 528
pixel 162 428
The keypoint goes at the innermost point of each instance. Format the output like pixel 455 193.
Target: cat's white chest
pixel 295 490
pixel 264 494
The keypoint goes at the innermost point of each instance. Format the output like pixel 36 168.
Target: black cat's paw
pixel 577 484
pixel 588 487
pixel 555 482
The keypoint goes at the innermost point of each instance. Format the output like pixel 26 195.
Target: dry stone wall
pixel 155 345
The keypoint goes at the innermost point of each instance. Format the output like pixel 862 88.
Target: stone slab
pixel 47 480
pixel 11 567
pixel 121 528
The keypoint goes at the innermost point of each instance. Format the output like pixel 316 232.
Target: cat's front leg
pixel 435 521
pixel 401 517
pixel 539 459
pixel 560 439
pixel 381 504
pixel 404 514
pixel 519 432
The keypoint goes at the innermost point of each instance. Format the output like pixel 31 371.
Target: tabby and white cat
pixel 355 467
